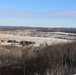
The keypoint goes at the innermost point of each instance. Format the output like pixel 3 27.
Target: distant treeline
pixel 6 28
pixel 40 29
pixel 67 30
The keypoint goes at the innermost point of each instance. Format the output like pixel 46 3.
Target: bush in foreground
pixel 57 59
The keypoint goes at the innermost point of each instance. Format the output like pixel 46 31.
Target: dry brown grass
pixel 57 59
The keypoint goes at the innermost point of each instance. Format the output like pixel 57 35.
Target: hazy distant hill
pixel 68 30
pixel 40 29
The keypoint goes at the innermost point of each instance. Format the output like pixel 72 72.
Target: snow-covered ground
pixel 37 40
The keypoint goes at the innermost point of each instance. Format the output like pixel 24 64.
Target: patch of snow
pixel 37 40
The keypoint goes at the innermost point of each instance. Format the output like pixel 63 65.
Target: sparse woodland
pixel 57 59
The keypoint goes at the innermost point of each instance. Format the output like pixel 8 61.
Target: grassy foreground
pixel 57 59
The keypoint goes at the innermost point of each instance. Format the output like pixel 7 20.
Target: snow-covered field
pixel 37 40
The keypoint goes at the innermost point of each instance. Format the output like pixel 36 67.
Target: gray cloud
pixel 24 14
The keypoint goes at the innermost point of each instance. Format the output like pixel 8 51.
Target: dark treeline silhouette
pixel 40 29
pixel 26 43
pixel 67 30
pixel 57 59
pixel 23 43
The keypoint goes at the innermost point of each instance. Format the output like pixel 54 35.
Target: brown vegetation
pixel 57 59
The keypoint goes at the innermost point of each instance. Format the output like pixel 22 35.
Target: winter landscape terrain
pixel 37 51
pixel 36 35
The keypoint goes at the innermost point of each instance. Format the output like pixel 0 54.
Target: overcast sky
pixel 38 13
